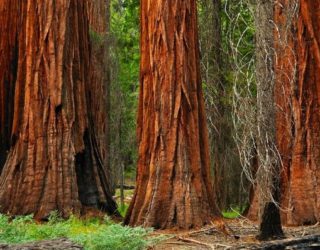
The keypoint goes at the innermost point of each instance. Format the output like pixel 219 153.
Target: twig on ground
pixel 198 231
pixel 195 242
pixel 223 245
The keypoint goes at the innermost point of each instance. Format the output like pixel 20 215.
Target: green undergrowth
pixel 230 214
pixel 233 212
pixel 93 233
pixel 122 209
pixel 128 194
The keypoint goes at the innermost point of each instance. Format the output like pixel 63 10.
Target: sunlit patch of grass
pixel 230 214
pixel 91 233
pixel 233 212
pixel 122 209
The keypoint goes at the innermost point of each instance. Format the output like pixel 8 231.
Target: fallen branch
pixel 203 230
pixel 223 245
pixel 302 242
pixel 195 242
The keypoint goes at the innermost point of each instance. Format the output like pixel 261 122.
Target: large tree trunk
pixel 298 122
pixel 297 95
pixel 8 71
pixel 173 181
pixel 55 161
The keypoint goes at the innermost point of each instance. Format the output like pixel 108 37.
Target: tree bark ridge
pixel 54 162
pixel 173 183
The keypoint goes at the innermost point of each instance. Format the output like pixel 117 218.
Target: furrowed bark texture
pixel 8 64
pixel 297 95
pixel 54 162
pixel 173 181
pixel 299 114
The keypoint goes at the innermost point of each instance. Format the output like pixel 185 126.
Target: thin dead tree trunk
pixel 269 162
pixel 54 162
pixel 173 182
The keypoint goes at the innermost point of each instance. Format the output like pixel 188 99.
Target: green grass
pixel 232 213
pixel 122 209
pixel 93 234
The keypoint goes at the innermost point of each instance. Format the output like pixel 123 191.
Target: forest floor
pixel 210 237
pixel 22 233
pixel 307 237
pixel 103 233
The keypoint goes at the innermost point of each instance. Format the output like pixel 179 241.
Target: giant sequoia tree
pixel 54 160
pixel 8 68
pixel 297 96
pixel 173 181
pixel 298 121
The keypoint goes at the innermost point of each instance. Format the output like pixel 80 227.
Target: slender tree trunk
pixel 173 182
pixel 210 41
pixel 225 161
pixel 269 162
pixel 98 14
pixel 217 126
pixel 54 162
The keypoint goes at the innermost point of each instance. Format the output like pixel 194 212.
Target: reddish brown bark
pixel 54 162
pixel 299 116
pixel 8 64
pixel 297 95
pixel 173 180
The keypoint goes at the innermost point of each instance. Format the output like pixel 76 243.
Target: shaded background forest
pixel 226 32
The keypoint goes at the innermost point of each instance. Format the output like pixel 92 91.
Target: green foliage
pixel 91 233
pixel 123 209
pixel 238 42
pixel 233 212
pixel 125 57
pixel 230 214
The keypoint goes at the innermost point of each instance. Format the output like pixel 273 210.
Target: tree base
pixel 270 227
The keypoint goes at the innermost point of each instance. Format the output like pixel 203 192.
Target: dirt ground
pixel 245 233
